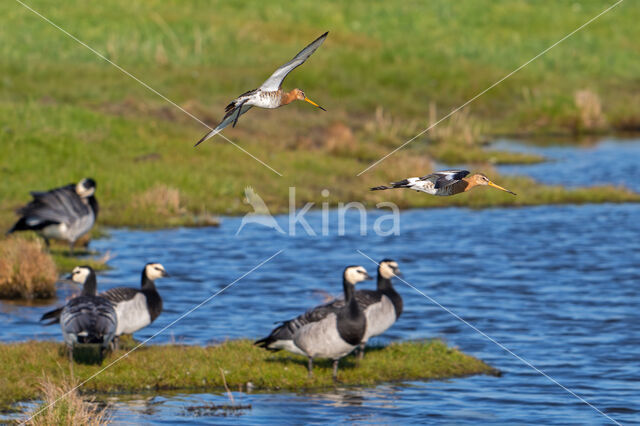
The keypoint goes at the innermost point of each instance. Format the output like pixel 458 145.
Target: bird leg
pixel 71 244
pixel 239 108
pixel 46 242
pixel 310 367
pixel 116 343
pixel 335 371
pixel 360 354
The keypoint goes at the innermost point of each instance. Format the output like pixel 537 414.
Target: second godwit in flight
pixel 449 182
pixel 270 94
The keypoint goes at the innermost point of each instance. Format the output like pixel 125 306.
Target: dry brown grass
pixel 590 112
pixel 63 405
pixel 460 128
pixel 162 200
pixel 27 271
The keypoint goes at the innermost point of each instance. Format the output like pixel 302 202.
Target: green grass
pixel 166 367
pixel 66 114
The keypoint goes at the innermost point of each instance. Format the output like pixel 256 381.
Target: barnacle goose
pixel 88 318
pixel 325 331
pixel 382 308
pixel 135 308
pixel 65 213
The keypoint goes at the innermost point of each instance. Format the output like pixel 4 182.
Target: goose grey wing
pixel 365 298
pixel 119 294
pixel 275 81
pixel 60 205
pixel 312 315
pixel 93 316
pixel 445 177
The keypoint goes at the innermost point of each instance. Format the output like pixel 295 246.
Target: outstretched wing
pixel 60 205
pixel 275 81
pixel 445 178
pixel 228 119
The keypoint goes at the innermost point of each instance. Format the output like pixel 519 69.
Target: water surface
pixel 557 285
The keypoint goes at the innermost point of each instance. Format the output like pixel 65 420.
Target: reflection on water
pixel 557 285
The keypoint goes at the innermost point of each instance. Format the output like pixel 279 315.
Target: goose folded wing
pixel 365 298
pixel 61 205
pixel 119 294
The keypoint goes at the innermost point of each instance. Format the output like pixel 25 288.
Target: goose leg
pixel 239 108
pixel 335 371
pixel 71 244
pixel 310 367
pixel 360 351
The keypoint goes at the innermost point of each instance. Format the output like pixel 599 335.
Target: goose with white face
pixel 65 213
pixel 79 274
pixel 153 271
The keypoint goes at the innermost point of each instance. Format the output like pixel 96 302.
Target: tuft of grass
pixel 27 271
pixel 63 405
pixel 238 363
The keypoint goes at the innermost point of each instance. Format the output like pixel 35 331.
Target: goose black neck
pixel 384 283
pixel 386 287
pixel 350 301
pixel 93 203
pixel 90 286
pixel 147 284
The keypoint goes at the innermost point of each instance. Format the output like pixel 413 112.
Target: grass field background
pixel 386 71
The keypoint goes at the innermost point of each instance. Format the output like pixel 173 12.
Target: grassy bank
pixel 380 83
pixel 30 271
pixel 167 367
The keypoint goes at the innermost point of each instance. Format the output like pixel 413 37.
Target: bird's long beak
pixel 313 103
pixel 500 188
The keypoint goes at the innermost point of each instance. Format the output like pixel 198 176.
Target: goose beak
pixel 397 272
pixel 367 276
pixel 165 274
pixel 313 103
pixel 68 277
pixel 500 188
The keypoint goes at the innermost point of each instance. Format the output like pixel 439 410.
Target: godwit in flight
pixel 445 183
pixel 270 94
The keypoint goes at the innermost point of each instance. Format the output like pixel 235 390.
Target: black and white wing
pixel 88 319
pixel 287 329
pixel 229 118
pixel 119 294
pixel 445 178
pixel 365 298
pixel 60 205
pixel 274 82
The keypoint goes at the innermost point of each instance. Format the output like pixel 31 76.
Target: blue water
pixel 556 285
pixel 608 162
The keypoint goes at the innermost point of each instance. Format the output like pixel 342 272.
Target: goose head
pixel 355 274
pixel 80 274
pixel 86 188
pixel 153 271
pixel 388 269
